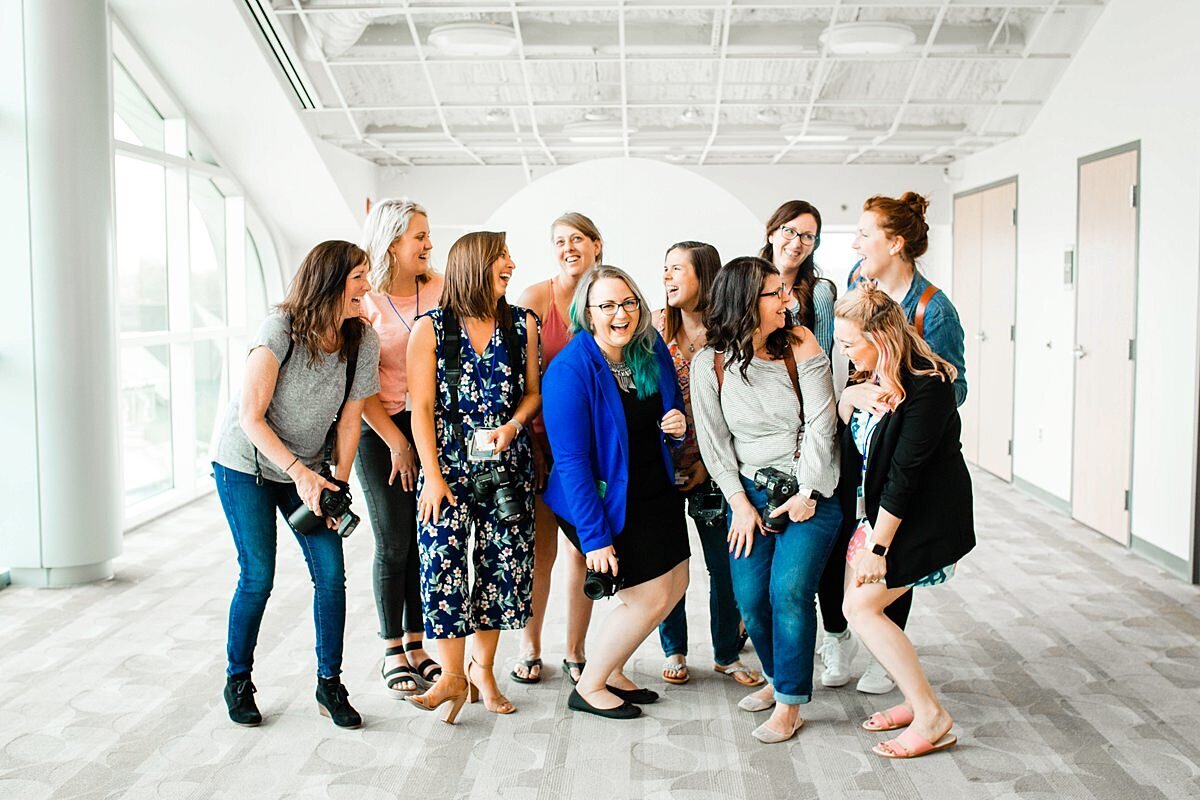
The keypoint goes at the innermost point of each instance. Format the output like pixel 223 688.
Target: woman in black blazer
pixel 906 490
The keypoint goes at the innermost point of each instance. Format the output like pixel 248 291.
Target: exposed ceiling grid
pixel 548 82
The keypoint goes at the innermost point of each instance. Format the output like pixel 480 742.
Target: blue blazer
pixel 585 423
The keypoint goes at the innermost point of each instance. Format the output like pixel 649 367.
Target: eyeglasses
pixel 791 233
pixel 779 293
pixel 610 309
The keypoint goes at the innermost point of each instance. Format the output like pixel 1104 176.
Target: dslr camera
pixel 599 585
pixel 706 503
pixel 498 485
pixel 779 487
pixel 333 504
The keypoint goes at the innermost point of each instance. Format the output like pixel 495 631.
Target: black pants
pixel 393 513
pixel 833 589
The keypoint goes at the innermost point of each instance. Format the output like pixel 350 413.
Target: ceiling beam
pixel 933 103
pixel 624 77
pixel 727 23
pixel 533 122
pixel 441 9
pixel 819 76
pixel 705 58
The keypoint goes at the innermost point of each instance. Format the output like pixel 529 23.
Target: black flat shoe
pixel 643 697
pixel 239 699
pixel 334 702
pixel 624 711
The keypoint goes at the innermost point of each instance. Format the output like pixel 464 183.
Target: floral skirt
pixel 858 543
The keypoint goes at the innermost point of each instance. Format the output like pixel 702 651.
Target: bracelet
pixel 287 470
pixel 516 423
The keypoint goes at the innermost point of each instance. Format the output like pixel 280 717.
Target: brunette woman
pixel 314 360
pixel 793 236
pixel 577 247
pixel 474 379
pixel 763 397
pixel 403 283
pixel 689 270
pixel 906 494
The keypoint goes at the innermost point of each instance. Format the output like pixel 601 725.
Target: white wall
pixel 461 199
pixel 1132 80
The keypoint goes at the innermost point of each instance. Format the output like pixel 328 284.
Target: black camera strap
pixel 452 355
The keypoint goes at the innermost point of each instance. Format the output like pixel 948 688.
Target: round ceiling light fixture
pixel 478 39
pixel 868 38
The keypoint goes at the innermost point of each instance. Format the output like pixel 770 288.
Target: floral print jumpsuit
pixel 498 594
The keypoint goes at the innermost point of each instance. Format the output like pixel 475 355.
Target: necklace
pixel 400 316
pixel 620 371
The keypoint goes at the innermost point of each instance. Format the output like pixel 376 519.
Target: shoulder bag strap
pixel 331 435
pixel 516 354
pixel 922 304
pixel 452 355
pixel 789 361
pixel 719 366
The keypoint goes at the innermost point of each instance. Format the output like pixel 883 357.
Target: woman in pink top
pixel 404 285
pixel 578 246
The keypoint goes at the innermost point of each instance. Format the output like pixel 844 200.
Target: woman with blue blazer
pixel 612 403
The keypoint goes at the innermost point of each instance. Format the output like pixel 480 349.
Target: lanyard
pixel 486 386
pixel 416 313
pixel 868 429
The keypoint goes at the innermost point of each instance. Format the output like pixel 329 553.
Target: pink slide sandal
pixel 910 744
pixel 891 719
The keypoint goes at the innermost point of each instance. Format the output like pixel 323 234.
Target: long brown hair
pixel 316 299
pixel 884 325
pixel 706 263
pixel 904 217
pixel 808 275
pixel 732 318
pixel 467 292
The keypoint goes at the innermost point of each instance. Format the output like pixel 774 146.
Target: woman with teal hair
pixel 613 410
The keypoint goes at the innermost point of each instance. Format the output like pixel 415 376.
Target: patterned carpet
pixel 1072 669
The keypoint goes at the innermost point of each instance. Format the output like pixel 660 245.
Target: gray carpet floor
pixel 1071 667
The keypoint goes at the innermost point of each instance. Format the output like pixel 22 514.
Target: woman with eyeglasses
pixel 762 395
pixel 578 247
pixel 613 410
pixel 793 236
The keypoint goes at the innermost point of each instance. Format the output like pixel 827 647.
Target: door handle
pixel 1079 352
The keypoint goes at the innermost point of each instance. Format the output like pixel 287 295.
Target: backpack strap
pixel 331 435
pixel 922 304
pixel 452 356
pixel 719 366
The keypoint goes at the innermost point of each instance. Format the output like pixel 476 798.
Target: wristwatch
pixel 878 549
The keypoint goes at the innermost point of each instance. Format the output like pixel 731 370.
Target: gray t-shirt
pixel 306 400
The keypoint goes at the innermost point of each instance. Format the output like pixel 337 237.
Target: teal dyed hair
pixel 639 353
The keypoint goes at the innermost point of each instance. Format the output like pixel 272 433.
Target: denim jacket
pixel 943 330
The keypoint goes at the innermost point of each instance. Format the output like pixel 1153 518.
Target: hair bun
pixel 916 202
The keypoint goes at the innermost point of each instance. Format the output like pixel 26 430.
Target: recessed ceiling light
pixel 868 38
pixel 473 39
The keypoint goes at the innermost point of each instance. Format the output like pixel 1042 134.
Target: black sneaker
pixel 334 702
pixel 239 699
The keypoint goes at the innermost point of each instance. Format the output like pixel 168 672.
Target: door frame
pixel 1136 147
pixel 1015 180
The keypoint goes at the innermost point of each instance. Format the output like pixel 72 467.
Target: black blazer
pixel 916 471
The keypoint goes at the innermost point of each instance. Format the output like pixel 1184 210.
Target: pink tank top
pixel 555 335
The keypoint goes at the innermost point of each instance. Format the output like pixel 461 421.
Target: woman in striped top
pixel 793 236
pixel 762 395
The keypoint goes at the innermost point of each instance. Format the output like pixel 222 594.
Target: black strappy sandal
pixel 427 669
pixel 398 675
pixel 577 666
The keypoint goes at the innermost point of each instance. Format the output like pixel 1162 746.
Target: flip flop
pixel 675 673
pixel 741 673
pixel 911 744
pixel 578 666
pixel 890 719
pixel 529 664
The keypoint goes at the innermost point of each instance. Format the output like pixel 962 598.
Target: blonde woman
pixel 906 494
pixel 403 286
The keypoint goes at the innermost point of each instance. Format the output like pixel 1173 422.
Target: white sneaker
pixel 875 680
pixel 836 654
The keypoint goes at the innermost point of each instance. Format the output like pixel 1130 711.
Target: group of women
pixel 480 429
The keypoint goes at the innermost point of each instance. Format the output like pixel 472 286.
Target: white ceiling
pixel 688 81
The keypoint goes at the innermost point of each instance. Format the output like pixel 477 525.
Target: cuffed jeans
pixel 723 615
pixel 250 510
pixel 393 511
pixel 776 587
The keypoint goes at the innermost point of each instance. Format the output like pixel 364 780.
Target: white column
pixel 61 361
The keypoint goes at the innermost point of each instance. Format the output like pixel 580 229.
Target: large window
pixel 195 273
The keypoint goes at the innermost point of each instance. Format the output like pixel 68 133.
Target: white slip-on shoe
pixel 875 680
pixel 836 654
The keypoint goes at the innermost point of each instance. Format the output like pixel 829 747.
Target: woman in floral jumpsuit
pixel 497 395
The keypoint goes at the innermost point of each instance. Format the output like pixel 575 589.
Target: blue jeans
pixel 723 615
pixel 775 588
pixel 250 510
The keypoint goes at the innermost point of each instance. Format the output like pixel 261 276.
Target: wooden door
pixel 968 211
pixel 1104 333
pixel 992 381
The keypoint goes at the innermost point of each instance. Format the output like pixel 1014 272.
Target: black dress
pixel 654 539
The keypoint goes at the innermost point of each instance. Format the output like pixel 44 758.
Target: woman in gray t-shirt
pixel 309 371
